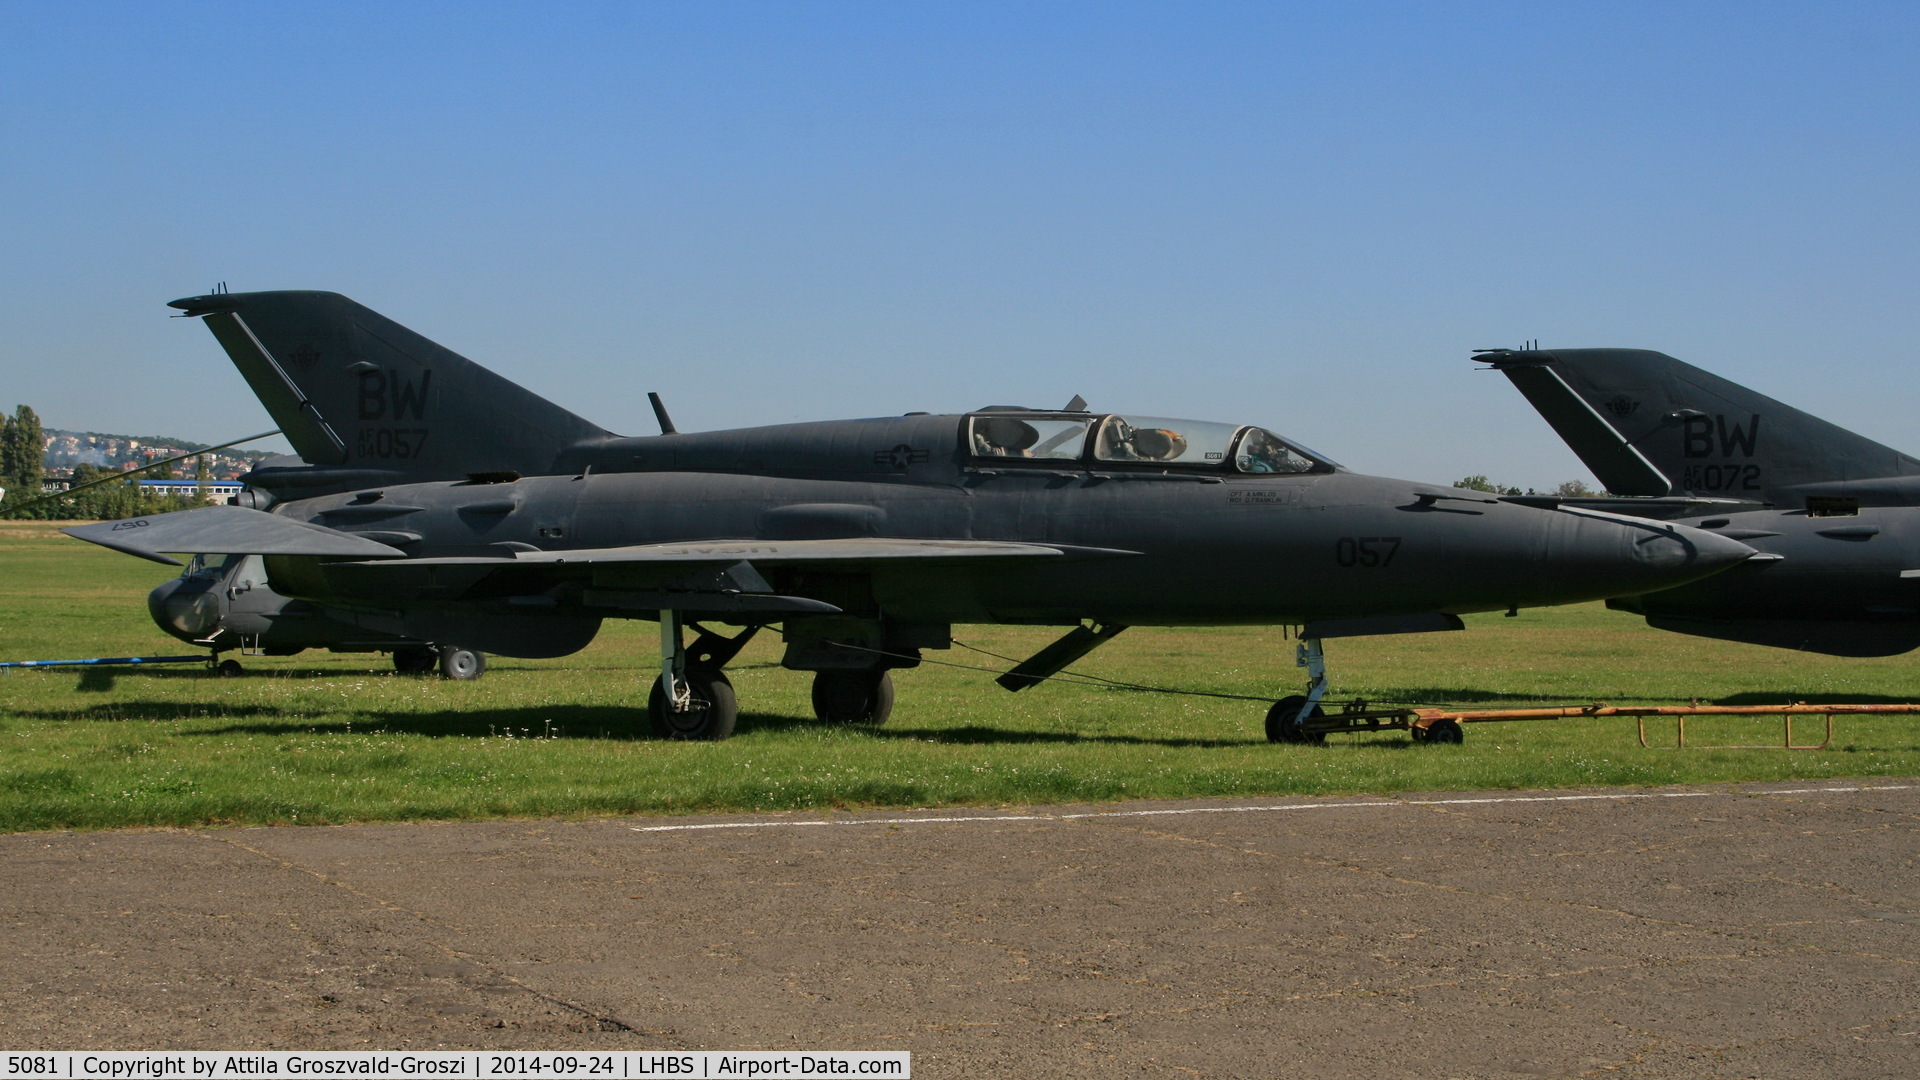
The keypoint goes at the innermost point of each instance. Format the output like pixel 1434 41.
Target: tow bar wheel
pixel 1440 732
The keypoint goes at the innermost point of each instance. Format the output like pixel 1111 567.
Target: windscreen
pixel 1261 451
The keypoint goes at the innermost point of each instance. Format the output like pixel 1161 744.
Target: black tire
pixel 415 660
pixel 713 713
pixel 1282 726
pixel 853 697
pixel 461 665
pixel 1441 733
pixel 230 669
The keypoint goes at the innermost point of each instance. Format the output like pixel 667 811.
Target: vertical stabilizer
pixel 1636 417
pixel 354 389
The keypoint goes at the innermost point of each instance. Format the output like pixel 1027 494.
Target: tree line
pixel 23 448
pixel 1570 489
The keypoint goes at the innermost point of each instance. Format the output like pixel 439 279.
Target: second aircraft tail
pixel 1648 424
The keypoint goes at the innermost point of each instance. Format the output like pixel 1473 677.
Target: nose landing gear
pixel 1291 719
pixel 1300 719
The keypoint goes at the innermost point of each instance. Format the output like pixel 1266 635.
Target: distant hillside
pixel 185 445
pixel 66 449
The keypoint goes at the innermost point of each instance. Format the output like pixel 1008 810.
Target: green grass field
pixel 320 738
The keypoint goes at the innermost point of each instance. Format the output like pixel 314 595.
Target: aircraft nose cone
pixel 184 610
pixel 1621 551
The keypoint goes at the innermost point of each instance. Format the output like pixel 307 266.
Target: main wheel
pixel 461 664
pixel 853 697
pixel 415 660
pixel 1283 724
pixel 1440 732
pixel 230 669
pixel 712 710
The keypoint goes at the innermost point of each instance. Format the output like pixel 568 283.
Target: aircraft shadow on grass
pixel 596 722
pixel 1776 697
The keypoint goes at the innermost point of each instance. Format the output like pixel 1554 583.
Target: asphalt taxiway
pixel 1733 931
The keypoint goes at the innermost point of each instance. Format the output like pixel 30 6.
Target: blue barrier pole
pixel 107 660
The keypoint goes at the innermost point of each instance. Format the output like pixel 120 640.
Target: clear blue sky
pixel 1298 215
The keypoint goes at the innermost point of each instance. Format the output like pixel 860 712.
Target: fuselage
pixel 1176 545
pixel 1847 584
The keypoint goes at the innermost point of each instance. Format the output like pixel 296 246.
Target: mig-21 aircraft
pixel 441 503
pixel 224 603
pixel 1834 516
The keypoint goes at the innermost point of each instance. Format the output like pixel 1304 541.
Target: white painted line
pixel 1252 809
pixel 1833 790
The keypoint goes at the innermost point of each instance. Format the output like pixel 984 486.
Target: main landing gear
pixel 692 698
pixel 862 696
pixel 453 662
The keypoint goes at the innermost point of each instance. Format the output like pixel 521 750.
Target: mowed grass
pixel 323 738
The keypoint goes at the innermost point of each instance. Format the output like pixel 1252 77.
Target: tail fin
pixel 1647 424
pixel 355 390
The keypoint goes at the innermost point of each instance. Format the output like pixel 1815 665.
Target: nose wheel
pixel 1286 722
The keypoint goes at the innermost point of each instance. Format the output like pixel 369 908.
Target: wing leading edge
pixel 226 530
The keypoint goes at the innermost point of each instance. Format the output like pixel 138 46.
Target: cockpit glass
pixel 208 567
pixel 1140 440
pixel 1004 435
pixel 1261 451
pixel 1157 439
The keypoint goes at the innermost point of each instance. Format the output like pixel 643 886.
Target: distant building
pixel 217 490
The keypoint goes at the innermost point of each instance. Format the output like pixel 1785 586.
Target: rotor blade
pixel 135 472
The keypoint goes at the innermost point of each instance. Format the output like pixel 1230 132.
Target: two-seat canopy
pixel 1010 435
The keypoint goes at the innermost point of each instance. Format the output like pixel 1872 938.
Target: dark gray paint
pixel 523 526
pixel 1836 516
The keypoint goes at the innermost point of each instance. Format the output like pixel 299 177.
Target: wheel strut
pixel 673 663
pixel 692 701
pixel 1310 655
pixel 1287 720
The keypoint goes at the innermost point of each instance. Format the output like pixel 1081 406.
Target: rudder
pixel 351 388
pixel 1705 435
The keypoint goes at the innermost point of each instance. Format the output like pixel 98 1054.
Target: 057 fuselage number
pixel 384 442
pixel 1366 551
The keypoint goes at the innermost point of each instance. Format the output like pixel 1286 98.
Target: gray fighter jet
pixel 441 502
pixel 224 603
pixel 1835 516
